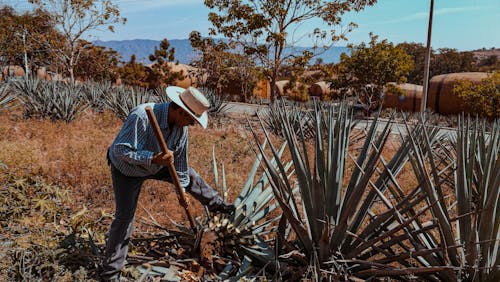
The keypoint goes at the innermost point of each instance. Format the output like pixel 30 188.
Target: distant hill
pixel 142 48
pixel 485 53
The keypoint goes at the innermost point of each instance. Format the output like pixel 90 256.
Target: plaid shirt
pixel 134 146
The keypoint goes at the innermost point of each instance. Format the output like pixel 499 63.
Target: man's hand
pixel 163 159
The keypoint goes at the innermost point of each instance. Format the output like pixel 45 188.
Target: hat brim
pixel 173 93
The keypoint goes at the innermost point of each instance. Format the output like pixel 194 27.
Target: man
pixel 135 156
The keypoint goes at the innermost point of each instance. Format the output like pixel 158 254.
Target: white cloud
pixel 424 15
pixel 445 11
pixel 134 6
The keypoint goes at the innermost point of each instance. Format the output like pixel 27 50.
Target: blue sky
pixel 459 24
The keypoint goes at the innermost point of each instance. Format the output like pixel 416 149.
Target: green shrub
pixel 484 98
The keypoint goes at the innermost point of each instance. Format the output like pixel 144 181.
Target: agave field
pixel 318 198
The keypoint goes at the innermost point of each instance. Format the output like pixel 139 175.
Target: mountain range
pixel 184 53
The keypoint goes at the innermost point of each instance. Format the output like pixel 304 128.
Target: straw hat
pixel 192 101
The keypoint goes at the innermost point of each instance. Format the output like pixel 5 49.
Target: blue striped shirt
pixel 133 148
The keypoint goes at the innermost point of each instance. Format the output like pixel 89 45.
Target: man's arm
pixel 129 143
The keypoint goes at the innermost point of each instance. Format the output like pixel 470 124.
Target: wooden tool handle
pixel 171 168
pixel 156 128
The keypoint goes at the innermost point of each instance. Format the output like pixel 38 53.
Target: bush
pixel 299 94
pixel 483 98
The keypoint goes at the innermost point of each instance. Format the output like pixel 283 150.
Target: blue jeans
pixel 126 190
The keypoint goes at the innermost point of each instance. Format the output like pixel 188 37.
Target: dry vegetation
pixel 58 202
pixel 71 156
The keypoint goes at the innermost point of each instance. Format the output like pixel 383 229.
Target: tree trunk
pixel 71 68
pixel 273 88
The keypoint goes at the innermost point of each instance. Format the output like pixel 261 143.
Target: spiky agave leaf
pixel 124 99
pixel 244 229
pixel 475 157
pixel 349 227
pixel 7 97
pixel 300 119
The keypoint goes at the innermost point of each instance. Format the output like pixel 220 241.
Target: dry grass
pixel 73 155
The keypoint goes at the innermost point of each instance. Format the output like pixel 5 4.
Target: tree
pixel 370 68
pixel 97 63
pixel 488 64
pixel 22 37
pixel 74 19
pixel 265 28
pixel 445 60
pixel 222 70
pixel 136 74
pixel 162 71
pixel 449 60
pixel 210 60
pixel 417 53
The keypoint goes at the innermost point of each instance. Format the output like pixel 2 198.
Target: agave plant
pixel 6 97
pixel 370 227
pixel 126 98
pixel 238 238
pixel 218 103
pixel 299 119
pixel 95 94
pixel 29 92
pixel 68 101
pixel 54 100
pixel 253 207
pixel 242 233
pixel 470 223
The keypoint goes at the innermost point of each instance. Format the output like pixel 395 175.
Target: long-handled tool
pixel 171 168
